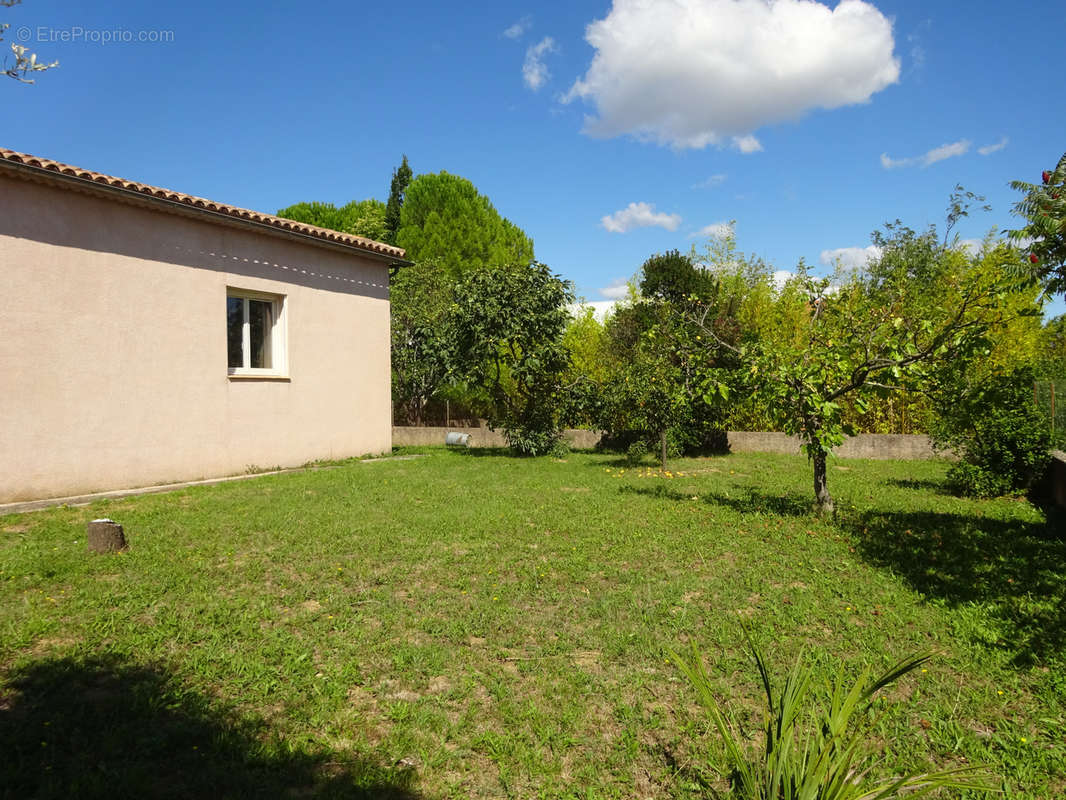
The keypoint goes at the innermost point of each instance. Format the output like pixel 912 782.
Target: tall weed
pixel 814 752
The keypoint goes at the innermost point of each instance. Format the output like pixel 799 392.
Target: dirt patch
pixel 20 528
pixel 588 660
pixel 574 489
pixel 50 644
pixel 146 618
pixel 362 699
pixel 439 685
pixel 727 558
pixel 311 605
pixel 900 692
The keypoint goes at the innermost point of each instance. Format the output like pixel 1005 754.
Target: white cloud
pixel 781 277
pixel 989 149
pixel 971 246
pixel 747 144
pixel 692 73
pixel 850 257
pixel 711 182
pixel 534 70
pixel 958 148
pixel 917 46
pixel 640 215
pixel 917 53
pixel 517 30
pixel 617 290
pixel 601 309
pixel 717 230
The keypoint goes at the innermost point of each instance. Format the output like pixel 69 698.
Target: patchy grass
pixel 472 625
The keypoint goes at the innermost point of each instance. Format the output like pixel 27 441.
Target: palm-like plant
pixel 827 759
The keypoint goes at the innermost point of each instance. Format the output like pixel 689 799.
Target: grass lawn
pixel 466 624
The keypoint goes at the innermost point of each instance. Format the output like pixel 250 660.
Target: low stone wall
pixel 866 445
pixel 479 437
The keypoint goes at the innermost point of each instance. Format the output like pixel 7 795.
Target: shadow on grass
pixel 622 462
pixel 1016 569
pixel 745 500
pixel 507 452
pixel 922 484
pixel 104 728
pixel 486 452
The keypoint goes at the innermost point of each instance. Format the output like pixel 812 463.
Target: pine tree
pixel 446 220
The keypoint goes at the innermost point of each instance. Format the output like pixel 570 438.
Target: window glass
pixel 261 321
pixel 234 331
pixel 255 333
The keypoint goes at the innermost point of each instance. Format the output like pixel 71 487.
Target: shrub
pixel 532 437
pixel 974 480
pixel 561 449
pixel 635 452
pixel 826 759
pixel 997 432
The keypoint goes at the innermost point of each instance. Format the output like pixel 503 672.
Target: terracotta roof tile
pixel 357 242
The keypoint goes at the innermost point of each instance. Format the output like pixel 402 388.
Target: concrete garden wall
pixel 479 437
pixel 879 446
pixel 886 446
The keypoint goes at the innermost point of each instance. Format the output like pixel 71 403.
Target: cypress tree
pixel 401 176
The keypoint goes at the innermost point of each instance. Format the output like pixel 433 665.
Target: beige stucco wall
pixel 113 348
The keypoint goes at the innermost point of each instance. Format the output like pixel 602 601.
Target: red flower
pixel 1033 258
pixel 1046 176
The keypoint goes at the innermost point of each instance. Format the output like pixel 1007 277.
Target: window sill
pixel 258 376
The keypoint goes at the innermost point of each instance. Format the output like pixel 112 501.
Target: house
pixel 147 336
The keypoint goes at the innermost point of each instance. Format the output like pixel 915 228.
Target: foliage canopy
pixel 1044 235
pixel 446 221
pixel 508 325
pixel 921 304
pixel 359 218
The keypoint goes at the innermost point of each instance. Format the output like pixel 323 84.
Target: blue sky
pixel 607 131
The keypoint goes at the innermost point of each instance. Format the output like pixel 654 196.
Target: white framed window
pixel 255 334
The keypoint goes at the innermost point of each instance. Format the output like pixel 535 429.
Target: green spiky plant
pixel 827 759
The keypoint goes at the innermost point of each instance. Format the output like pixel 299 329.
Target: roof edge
pixel 30 167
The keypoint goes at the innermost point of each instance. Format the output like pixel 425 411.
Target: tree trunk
pixel 105 536
pixel 662 444
pixel 821 490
